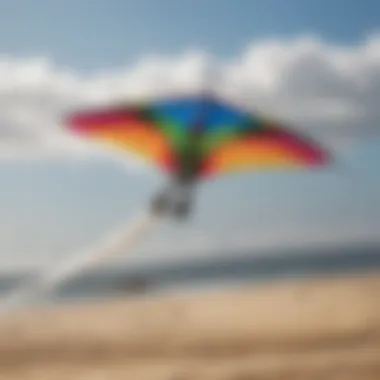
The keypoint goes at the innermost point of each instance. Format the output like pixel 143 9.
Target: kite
pixel 194 138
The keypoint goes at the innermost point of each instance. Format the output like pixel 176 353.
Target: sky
pixel 312 63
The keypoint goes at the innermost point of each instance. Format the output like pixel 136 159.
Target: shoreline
pixel 293 325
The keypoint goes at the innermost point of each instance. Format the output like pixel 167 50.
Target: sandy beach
pixel 300 329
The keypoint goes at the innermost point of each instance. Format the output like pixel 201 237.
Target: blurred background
pixel 314 64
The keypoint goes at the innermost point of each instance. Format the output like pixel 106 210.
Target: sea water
pixel 227 270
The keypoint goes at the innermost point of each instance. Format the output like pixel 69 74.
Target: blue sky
pixel 97 34
pixel 50 207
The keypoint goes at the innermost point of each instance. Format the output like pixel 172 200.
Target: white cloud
pixel 330 90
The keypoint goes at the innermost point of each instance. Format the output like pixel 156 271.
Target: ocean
pixel 240 268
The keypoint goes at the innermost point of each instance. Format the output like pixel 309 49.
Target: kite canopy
pixel 220 137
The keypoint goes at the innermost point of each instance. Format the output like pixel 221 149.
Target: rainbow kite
pixel 199 137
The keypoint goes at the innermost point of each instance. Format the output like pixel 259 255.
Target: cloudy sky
pixel 313 63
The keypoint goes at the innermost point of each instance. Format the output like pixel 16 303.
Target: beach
pixel 315 328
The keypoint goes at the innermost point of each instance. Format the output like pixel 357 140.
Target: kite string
pixel 123 239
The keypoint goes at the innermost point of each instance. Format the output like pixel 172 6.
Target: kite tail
pixel 118 242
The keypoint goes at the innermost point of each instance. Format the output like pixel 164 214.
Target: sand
pixel 326 328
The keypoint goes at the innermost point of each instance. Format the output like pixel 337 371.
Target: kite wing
pixel 129 128
pixel 158 131
pixel 237 141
